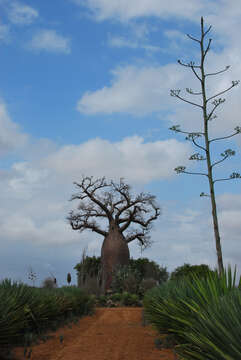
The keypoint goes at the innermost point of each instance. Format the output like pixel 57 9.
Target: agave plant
pixel 12 317
pixel 216 334
pixel 25 310
pixel 177 307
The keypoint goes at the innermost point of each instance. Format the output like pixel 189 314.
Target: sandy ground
pixel 110 334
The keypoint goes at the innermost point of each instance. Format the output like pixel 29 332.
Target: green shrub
pixel 127 278
pixel 149 269
pixel 116 297
pixel 188 270
pixel 128 299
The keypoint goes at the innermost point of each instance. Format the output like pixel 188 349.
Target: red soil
pixel 110 334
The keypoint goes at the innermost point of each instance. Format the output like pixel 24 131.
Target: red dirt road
pixel 110 334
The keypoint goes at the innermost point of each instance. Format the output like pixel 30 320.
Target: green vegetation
pixel 26 313
pixel 118 299
pixel 187 270
pixel 203 314
pixel 137 277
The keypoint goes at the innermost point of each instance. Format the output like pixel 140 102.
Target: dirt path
pixel 110 334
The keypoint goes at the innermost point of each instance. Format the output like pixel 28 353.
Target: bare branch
pixel 234 83
pixel 175 93
pixel 234 175
pixel 143 239
pixel 145 223
pixel 218 72
pixel 196 74
pixel 88 188
pixel 192 38
pixel 237 129
pixel 181 169
pixel 176 128
pixel 227 153
pixel 207 31
pixel 81 222
pixel 114 203
pixel 199 146
pixel 189 65
pixel 210 115
pixel 208 47
pixel 192 137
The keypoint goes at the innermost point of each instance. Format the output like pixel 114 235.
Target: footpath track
pixel 110 334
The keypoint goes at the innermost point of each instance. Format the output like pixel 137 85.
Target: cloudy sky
pixel 85 90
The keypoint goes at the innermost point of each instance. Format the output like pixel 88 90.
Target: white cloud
pixel 49 40
pixel 120 42
pixel 143 90
pixel 130 158
pixel 11 138
pixel 27 180
pixel 21 14
pixel 35 196
pixel 124 10
pixel 134 90
pixel 4 32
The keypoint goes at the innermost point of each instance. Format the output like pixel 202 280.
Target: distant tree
pixel 88 268
pixel 149 269
pixel 49 283
pixel 124 218
pixel 208 105
pixel 187 270
pixel 68 278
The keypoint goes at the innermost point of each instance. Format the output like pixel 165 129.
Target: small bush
pixel 49 283
pixel 116 297
pixel 128 299
pixel 102 300
pixel 188 270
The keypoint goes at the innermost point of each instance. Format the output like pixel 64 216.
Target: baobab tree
pixel 208 104
pixel 123 217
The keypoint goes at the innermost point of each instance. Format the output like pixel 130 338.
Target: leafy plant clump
pixel 137 277
pixel 118 299
pixel 203 314
pixel 27 312
pixel 188 270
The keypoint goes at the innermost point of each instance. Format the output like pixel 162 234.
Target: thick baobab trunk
pixel 114 252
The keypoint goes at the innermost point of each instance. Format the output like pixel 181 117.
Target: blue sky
pixel 85 89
